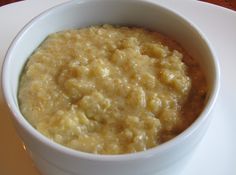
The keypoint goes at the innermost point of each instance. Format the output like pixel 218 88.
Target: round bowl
pixel 54 159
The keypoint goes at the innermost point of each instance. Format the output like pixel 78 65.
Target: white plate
pixel 217 152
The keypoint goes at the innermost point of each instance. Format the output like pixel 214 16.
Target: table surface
pixel 231 4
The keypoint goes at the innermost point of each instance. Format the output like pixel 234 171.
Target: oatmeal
pixel 111 90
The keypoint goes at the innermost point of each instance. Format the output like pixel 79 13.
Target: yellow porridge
pixel 111 90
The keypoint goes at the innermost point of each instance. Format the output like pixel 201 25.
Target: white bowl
pixel 54 159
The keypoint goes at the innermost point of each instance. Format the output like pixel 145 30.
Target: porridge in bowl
pixel 111 90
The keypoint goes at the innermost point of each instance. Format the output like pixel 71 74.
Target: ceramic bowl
pixel 54 159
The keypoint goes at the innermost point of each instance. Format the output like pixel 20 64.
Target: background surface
pixel 231 4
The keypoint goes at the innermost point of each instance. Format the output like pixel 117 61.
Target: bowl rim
pixel 19 118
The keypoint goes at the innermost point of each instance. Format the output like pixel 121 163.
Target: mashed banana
pixel 111 90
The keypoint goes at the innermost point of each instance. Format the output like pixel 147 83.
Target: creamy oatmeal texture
pixel 111 90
